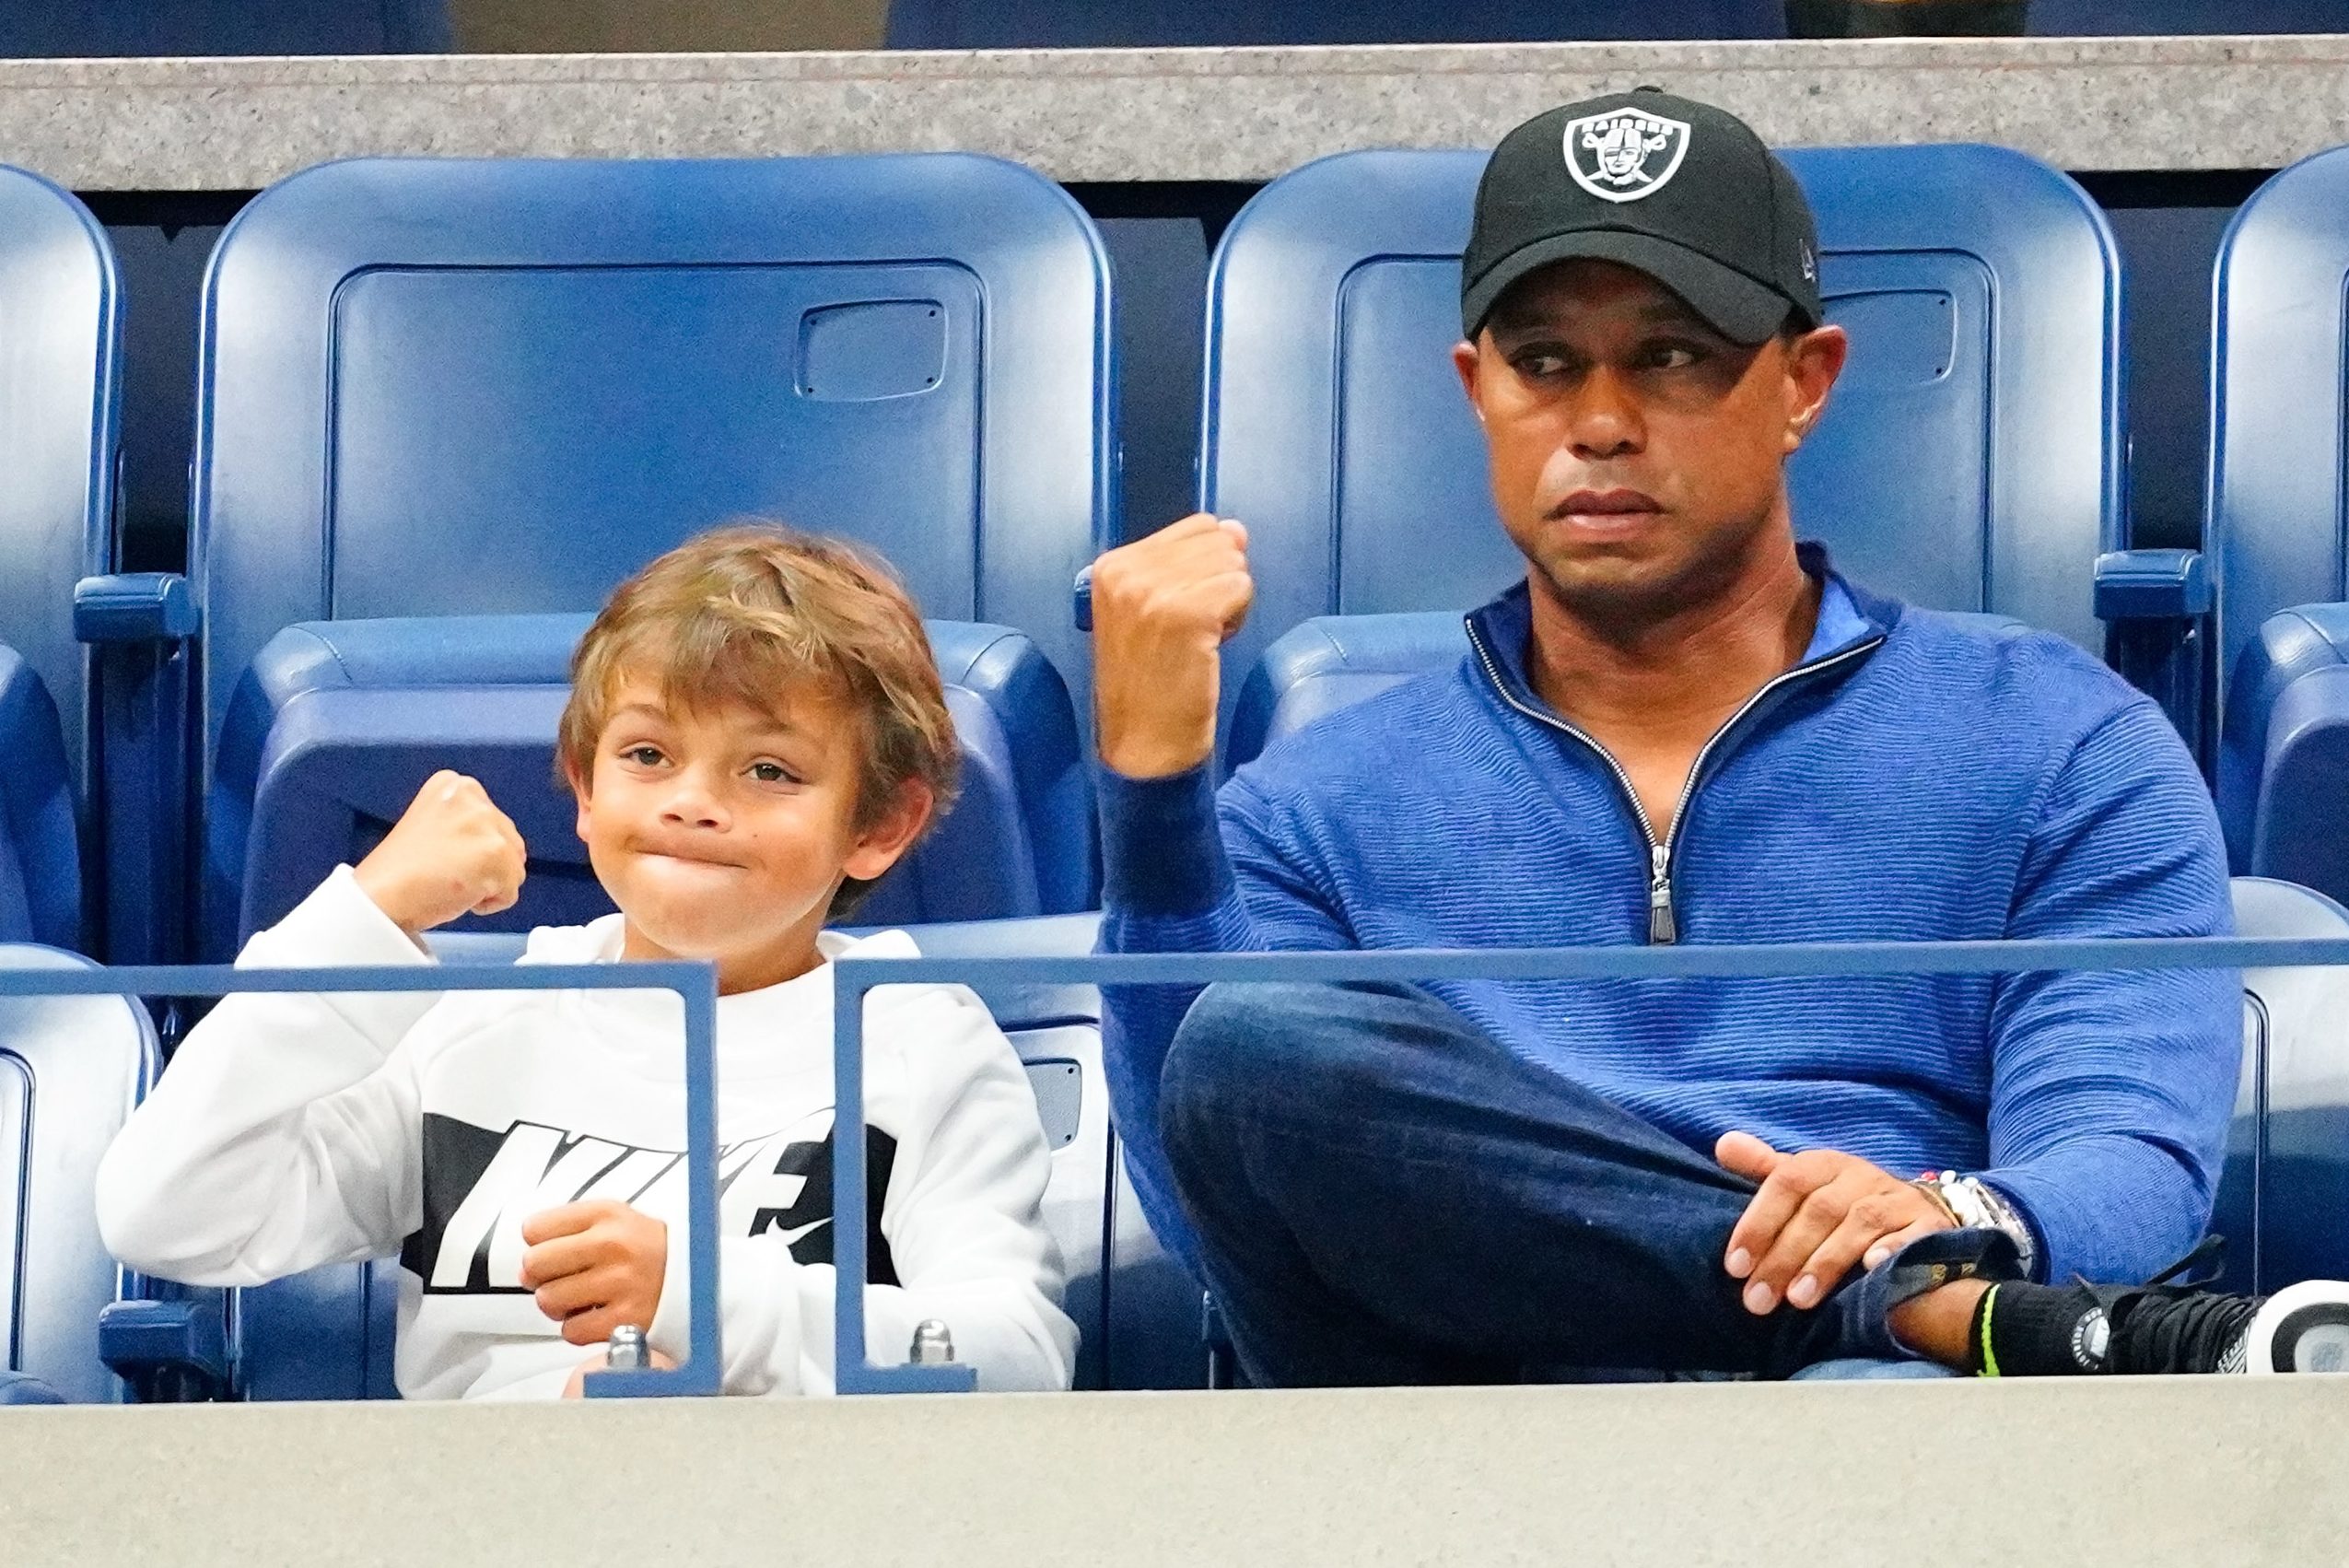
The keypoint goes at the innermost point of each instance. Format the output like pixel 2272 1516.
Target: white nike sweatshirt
pixel 291 1131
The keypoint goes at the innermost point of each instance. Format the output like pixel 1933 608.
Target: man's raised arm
pixel 1179 876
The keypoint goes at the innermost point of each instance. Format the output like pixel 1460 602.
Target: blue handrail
pixel 702 1373
pixel 853 977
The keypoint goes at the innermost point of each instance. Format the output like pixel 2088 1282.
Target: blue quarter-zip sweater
pixel 1917 778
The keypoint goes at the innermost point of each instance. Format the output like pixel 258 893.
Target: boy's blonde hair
pixel 749 611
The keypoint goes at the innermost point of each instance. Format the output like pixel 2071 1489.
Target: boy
pixel 755 732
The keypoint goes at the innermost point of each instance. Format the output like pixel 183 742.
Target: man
pixel 1682 727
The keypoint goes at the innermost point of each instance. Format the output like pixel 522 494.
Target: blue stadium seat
pixel 444 388
pixel 2283 1203
pixel 1335 662
pixel 60 350
pixel 1982 295
pixel 71 1069
pixel 2277 494
pixel 41 878
pixel 2284 750
pixel 328 1334
pixel 337 723
pixel 17 1388
pixel 1166 24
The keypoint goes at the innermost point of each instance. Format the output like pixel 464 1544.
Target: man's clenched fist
pixel 452 852
pixel 1161 609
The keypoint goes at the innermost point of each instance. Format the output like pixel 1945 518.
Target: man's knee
pixel 1291 1050
pixel 1253 1068
pixel 1240 1048
pixel 1234 1041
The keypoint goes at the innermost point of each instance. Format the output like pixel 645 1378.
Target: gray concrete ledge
pixel 2144 103
pixel 2189 1472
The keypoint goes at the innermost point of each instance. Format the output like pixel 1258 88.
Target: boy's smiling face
pixel 722 830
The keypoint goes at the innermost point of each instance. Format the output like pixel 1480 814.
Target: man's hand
pixel 1162 608
pixel 577 1387
pixel 595 1265
pixel 452 852
pixel 1818 1213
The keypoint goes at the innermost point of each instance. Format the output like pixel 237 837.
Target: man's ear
pixel 1466 361
pixel 879 847
pixel 1813 361
pixel 578 784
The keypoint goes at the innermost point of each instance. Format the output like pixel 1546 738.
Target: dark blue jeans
pixel 1384 1195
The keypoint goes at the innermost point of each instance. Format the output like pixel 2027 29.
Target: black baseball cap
pixel 1681 190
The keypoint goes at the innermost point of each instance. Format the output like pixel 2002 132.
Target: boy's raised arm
pixel 285 1133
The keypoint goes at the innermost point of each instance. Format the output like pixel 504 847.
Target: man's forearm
pixel 1939 1325
pixel 1167 888
pixel 2106 1207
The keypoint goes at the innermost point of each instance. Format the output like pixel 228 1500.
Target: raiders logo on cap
pixel 1730 232
pixel 1625 154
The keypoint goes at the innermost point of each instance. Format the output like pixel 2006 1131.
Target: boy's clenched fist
pixel 452 852
pixel 596 1265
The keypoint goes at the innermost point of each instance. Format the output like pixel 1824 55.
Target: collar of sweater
pixel 776 1029
pixel 1849 616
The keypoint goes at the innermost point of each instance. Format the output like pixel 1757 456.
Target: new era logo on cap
pixel 1625 154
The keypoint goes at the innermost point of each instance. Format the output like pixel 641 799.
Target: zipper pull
pixel 1663 929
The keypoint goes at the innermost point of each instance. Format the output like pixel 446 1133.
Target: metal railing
pixel 854 979
pixel 696 984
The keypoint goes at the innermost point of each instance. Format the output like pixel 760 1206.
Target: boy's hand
pixel 1818 1213
pixel 577 1387
pixel 1162 608
pixel 452 852
pixel 595 1265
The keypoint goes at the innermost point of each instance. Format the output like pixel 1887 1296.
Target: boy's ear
pixel 878 848
pixel 578 792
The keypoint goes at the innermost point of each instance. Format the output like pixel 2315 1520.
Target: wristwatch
pixel 1973 1204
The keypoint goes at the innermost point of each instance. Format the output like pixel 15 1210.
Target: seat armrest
pixel 169 1351
pixel 2138 585
pixel 142 627
pixel 133 607
pixel 2156 606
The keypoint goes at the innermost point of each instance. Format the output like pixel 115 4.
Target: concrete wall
pixel 2213 1472
pixel 2126 104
